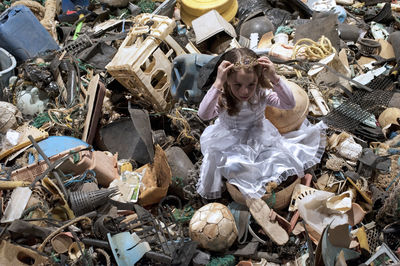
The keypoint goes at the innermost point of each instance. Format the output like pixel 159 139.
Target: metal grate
pixel 373 239
pixel 392 240
pixel 78 45
pixel 380 96
pixel 349 115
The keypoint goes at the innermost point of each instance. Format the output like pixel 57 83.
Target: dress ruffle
pixel 250 156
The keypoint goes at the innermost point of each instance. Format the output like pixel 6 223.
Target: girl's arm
pixel 209 107
pixel 281 96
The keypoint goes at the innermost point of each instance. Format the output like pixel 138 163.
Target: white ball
pixel 213 227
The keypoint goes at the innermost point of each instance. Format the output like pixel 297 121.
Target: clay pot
pixel 389 116
pixel 290 120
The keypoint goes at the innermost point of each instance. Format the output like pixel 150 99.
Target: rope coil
pixel 311 50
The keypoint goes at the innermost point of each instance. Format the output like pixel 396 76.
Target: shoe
pixel 261 214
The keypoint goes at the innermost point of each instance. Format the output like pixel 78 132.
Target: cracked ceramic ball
pixel 213 227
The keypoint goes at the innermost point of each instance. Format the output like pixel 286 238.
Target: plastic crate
pixel 141 66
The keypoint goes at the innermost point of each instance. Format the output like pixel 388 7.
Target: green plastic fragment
pixel 228 260
pixel 147 6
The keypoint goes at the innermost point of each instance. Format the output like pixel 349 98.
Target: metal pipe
pixel 46 159
pixel 96 243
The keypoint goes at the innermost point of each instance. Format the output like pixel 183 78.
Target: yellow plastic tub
pixel 229 14
pixel 197 8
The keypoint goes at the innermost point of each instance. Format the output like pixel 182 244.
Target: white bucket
pixel 281 38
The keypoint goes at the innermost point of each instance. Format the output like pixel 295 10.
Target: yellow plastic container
pixel 228 15
pixel 197 8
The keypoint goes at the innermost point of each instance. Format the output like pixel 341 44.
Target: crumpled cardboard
pixel 210 24
pixel 156 179
pixel 9 116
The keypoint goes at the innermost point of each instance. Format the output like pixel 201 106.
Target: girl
pixel 242 146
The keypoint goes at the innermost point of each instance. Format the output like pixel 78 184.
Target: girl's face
pixel 243 84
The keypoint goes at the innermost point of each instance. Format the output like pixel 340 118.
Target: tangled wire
pixel 180 122
pixel 188 124
pixel 61 119
pixel 192 179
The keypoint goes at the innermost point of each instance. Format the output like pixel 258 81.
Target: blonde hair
pixel 247 59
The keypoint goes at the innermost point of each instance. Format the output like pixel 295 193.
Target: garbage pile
pixel 100 137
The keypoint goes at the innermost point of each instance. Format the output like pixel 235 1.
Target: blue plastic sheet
pixel 56 144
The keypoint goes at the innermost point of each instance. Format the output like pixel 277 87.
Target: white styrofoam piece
pixel 16 206
pixel 210 24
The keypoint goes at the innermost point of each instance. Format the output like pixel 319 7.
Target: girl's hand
pixel 269 69
pixel 222 74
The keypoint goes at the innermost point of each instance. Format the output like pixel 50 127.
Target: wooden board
pixel 90 101
pixel 101 92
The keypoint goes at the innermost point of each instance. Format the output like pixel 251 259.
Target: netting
pixel 350 114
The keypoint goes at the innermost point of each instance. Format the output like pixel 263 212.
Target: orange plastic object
pixel 362 193
pixel 362 238
pixel 156 179
pixel 103 165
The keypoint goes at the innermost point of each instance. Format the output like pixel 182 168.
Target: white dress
pixel 248 150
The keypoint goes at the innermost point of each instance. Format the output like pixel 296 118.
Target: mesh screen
pixel 373 238
pixel 350 114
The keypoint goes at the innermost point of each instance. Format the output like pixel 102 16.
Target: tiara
pixel 245 62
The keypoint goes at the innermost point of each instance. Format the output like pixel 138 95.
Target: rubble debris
pixel 184 77
pixel 136 51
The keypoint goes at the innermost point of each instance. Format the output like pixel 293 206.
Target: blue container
pixel 22 34
pixel 184 76
pixel 69 5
